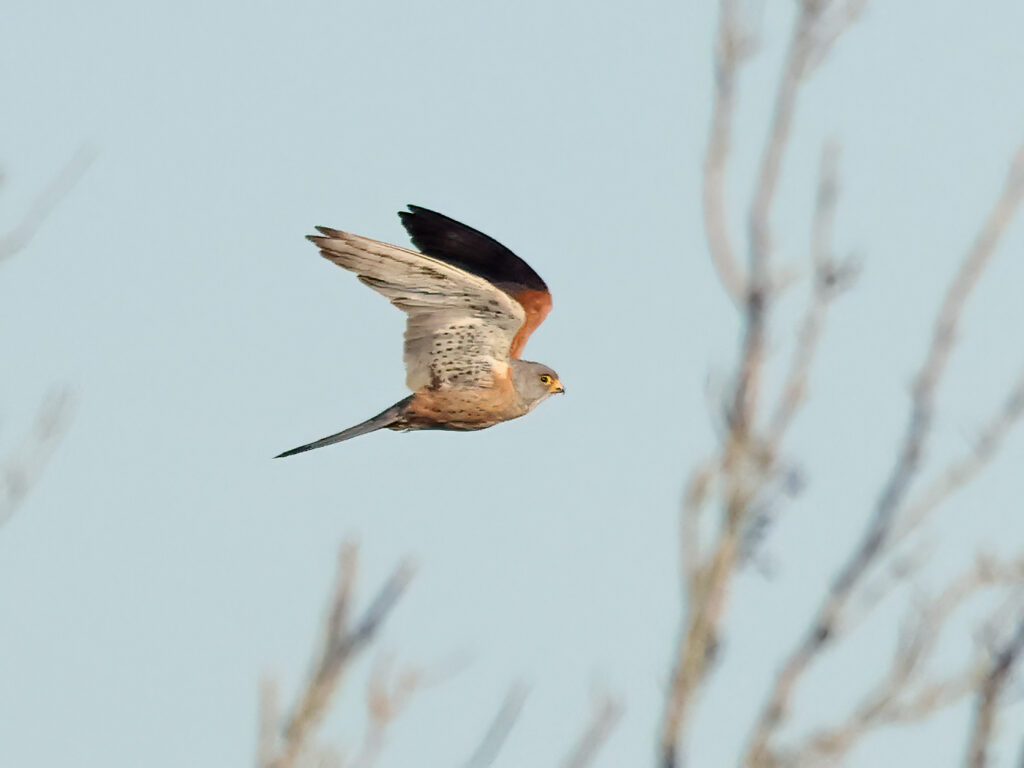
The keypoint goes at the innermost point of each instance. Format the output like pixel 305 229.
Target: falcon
pixel 471 305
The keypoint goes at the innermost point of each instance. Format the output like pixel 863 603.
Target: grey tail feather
pixel 380 421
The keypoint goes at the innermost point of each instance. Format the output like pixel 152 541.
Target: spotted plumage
pixel 471 305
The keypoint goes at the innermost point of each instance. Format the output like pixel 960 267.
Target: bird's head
pixel 534 382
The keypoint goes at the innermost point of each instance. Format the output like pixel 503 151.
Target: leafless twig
pixel 733 47
pixel 745 460
pixel 960 472
pixel 602 723
pixel 494 739
pixel 386 698
pixel 18 237
pixel 829 278
pixel 823 627
pixel 19 471
pixel 808 43
pixel 900 695
pixel 988 698
pixel 343 642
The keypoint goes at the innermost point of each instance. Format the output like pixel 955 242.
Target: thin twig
pixel 988 698
pixel 807 43
pixel 20 235
pixel 386 699
pixel 827 281
pixel 341 646
pixel 691 556
pixel 602 723
pixel 905 468
pixel 496 735
pixel 916 511
pixel 268 746
pixel 897 697
pixel 960 472
pixel 19 471
pixel 743 460
pixel 732 48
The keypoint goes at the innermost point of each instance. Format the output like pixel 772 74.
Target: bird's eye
pixel 545 379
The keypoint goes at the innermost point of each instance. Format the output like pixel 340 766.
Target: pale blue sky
pixel 165 562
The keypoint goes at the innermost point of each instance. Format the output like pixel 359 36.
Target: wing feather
pixel 460 327
pixel 462 246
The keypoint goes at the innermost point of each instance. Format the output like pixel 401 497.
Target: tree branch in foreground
pixel 878 536
pixel 343 642
pixel 988 697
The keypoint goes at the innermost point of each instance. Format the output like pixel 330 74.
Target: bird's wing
pixel 460 326
pixel 456 244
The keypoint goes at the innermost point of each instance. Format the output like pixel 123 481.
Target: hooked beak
pixel 557 388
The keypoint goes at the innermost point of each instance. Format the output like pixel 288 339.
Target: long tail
pixel 380 421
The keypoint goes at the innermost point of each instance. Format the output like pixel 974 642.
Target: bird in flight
pixel 471 306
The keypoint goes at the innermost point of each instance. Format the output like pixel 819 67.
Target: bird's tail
pixel 382 420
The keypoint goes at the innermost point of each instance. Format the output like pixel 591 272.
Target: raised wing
pixel 460 327
pixel 456 244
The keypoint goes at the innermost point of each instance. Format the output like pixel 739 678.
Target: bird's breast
pixel 461 409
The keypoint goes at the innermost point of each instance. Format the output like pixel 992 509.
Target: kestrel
pixel 471 306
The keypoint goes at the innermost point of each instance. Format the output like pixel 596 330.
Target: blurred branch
pixel 959 473
pixel 697 491
pixel 20 235
pixel 602 723
pixel 343 642
pixel 817 26
pixel 878 535
pixel 734 45
pixel 988 697
pixel 494 739
pixel 898 567
pixel 829 279
pixel 900 696
pixel 745 460
pixel 385 701
pixel 269 737
pixel 19 471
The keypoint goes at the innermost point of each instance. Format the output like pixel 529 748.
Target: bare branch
pixel 18 237
pixel 269 716
pixel 385 700
pixel 690 546
pixel 495 737
pixel 959 473
pixel 733 47
pixel 344 583
pixel 19 471
pixel 988 699
pixel 905 468
pixel 828 280
pixel 807 44
pixel 744 460
pixel 898 696
pixel 341 646
pixel 602 723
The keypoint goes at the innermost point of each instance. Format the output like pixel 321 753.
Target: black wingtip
pixel 458 244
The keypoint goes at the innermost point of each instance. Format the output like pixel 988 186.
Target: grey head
pixel 534 382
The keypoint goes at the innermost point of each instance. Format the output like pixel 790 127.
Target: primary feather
pixel 460 326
